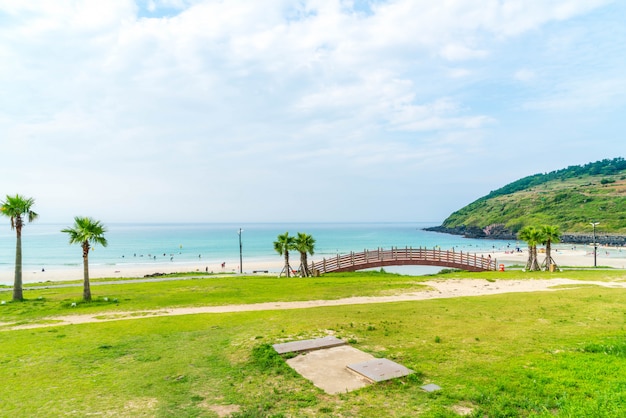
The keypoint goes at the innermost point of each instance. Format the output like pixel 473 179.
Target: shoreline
pixel 32 275
pixel 563 254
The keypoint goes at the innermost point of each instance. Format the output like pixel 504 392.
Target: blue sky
pixel 320 110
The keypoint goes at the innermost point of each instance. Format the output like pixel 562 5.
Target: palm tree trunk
pixel 287 266
pixel 532 264
pixel 304 270
pixel 305 264
pixel 549 261
pixel 535 263
pixel 86 285
pixel 529 262
pixel 17 285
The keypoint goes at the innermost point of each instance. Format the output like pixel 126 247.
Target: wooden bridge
pixel 404 257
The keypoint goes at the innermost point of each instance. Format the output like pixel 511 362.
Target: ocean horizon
pixel 44 246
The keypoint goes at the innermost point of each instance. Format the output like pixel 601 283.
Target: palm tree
pixel 282 246
pixel 86 231
pixel 551 235
pixel 304 243
pixel 17 207
pixel 532 236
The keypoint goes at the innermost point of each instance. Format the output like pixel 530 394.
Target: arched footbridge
pixel 404 257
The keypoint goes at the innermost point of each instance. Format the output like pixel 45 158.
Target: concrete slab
pixel 326 368
pixel 431 387
pixel 380 369
pixel 308 345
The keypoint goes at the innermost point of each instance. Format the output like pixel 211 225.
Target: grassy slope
pixel 569 203
pixel 541 354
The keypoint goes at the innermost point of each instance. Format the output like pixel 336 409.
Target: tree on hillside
pixel 282 246
pixel 85 232
pixel 304 244
pixel 551 234
pixel 532 236
pixel 17 208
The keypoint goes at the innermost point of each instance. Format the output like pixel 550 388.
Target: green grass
pixel 537 354
pixel 128 294
pixel 571 203
pixel 201 292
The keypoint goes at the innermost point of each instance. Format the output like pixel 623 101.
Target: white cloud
pixel 189 100
pixel 438 116
pixel 457 52
pixel 524 75
pixel 592 94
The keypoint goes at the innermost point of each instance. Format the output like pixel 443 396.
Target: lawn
pixel 543 354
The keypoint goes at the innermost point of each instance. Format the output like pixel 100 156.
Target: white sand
pixel 56 274
pixel 574 256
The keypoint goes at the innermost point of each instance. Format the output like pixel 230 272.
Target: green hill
pixel 570 198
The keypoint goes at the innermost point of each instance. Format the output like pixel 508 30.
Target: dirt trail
pixel 440 289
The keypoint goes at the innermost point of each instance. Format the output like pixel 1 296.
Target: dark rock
pixel 496 231
pixel 155 275
pixel 612 240
pixel 499 232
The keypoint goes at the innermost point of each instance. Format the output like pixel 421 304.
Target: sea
pixel 44 246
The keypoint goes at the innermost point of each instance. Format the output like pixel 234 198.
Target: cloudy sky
pixel 308 110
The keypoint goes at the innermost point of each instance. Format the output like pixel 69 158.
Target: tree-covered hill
pixel 570 198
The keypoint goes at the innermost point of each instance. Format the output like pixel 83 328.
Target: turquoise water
pixel 44 246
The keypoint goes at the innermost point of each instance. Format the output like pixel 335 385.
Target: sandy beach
pixel 55 274
pixel 569 257
pixel 564 257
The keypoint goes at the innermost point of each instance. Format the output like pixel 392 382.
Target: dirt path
pixel 440 289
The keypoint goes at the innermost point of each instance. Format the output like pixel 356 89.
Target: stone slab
pixel 431 387
pixel 380 369
pixel 308 345
pixel 326 368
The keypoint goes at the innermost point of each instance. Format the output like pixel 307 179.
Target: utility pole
pixel 595 244
pixel 240 253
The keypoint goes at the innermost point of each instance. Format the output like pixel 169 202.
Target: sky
pixel 300 111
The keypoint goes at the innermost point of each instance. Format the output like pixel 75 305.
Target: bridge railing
pixel 404 256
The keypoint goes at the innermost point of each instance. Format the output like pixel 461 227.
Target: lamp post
pixel 240 252
pixel 595 245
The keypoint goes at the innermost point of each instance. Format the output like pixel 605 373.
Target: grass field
pixel 533 354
